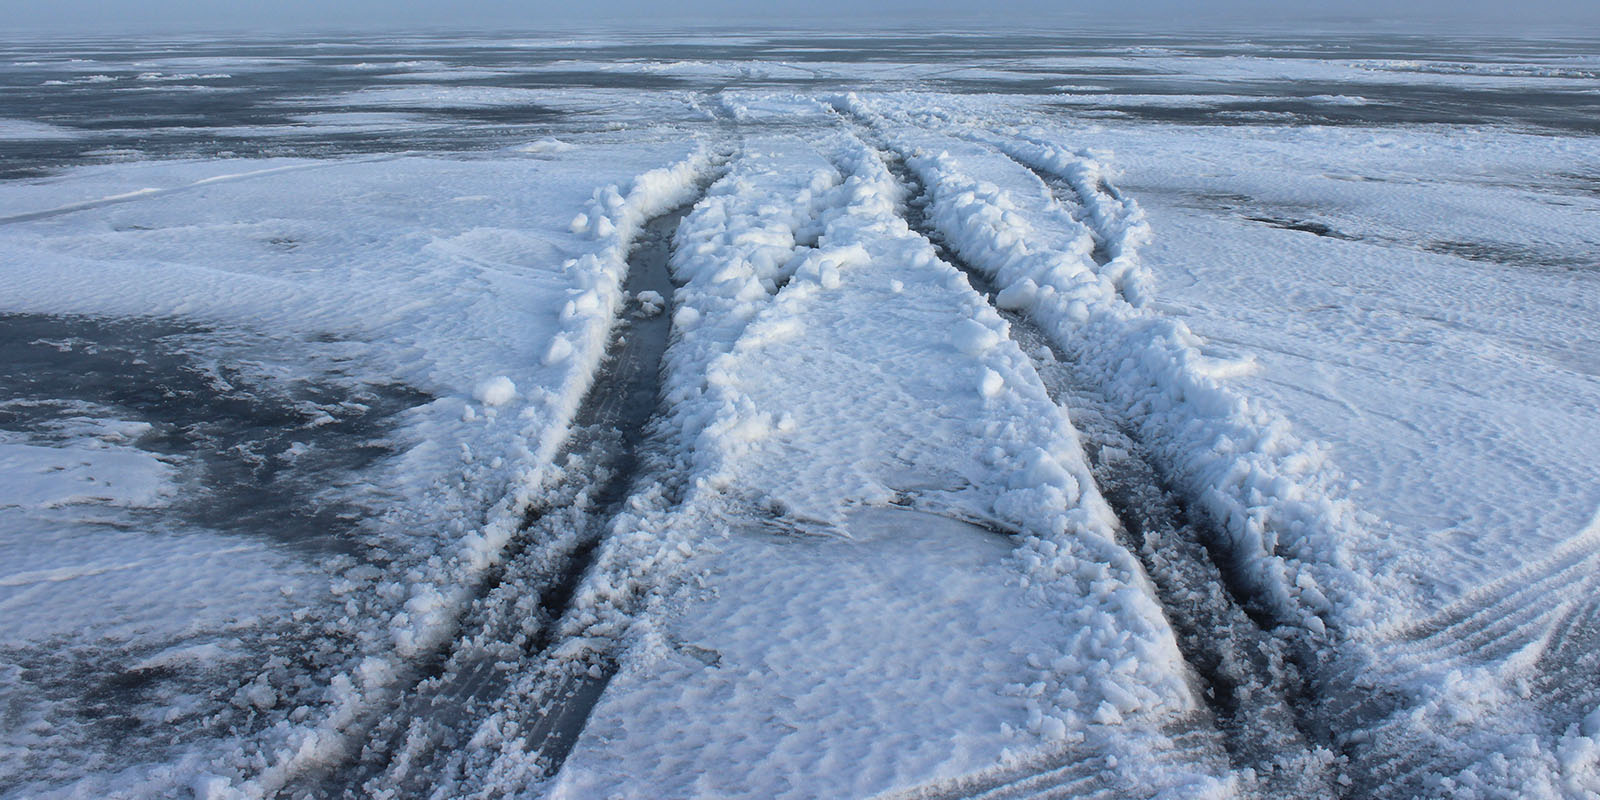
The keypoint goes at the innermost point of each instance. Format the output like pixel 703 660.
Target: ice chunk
pixel 973 337
pixel 992 383
pixel 211 787
pixel 685 317
pixel 650 303
pixel 1018 295
pixel 560 350
pixel 1107 714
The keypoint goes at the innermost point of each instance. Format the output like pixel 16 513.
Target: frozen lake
pixel 111 100
pixel 799 415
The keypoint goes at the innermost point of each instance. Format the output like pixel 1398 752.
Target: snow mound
pixel 547 146
pixel 496 391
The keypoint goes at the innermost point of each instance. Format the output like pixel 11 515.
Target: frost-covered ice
pixel 297 339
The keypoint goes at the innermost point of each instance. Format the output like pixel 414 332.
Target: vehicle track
pixel 1538 627
pixel 550 704
pixel 510 627
pixel 1072 200
pixel 1253 690
pixel 624 416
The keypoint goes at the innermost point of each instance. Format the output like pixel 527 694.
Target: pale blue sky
pixel 1574 17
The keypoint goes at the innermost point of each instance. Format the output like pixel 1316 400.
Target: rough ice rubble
pixel 1102 654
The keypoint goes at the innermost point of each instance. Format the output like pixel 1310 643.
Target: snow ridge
pixel 743 242
pixel 731 252
pixel 1118 223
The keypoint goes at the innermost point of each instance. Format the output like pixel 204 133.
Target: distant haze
pixel 1567 17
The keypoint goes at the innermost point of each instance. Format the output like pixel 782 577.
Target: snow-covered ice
pixel 297 341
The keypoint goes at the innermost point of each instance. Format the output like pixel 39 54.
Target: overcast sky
pixel 1573 17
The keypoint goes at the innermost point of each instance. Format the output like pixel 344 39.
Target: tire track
pixel 546 704
pixel 1071 198
pixel 1115 224
pixel 1255 694
pixel 510 627
pixel 1533 636
pixel 1074 772
pixel 622 418
pixel 1071 773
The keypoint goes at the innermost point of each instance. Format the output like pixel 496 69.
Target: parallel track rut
pixel 1272 713
pixel 1255 695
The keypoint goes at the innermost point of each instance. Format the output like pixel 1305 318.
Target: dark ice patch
pixel 146 701
pixel 1304 226
pixel 260 451
pixel 1512 254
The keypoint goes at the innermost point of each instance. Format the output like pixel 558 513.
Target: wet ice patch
pixel 141 413
pixel 153 472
